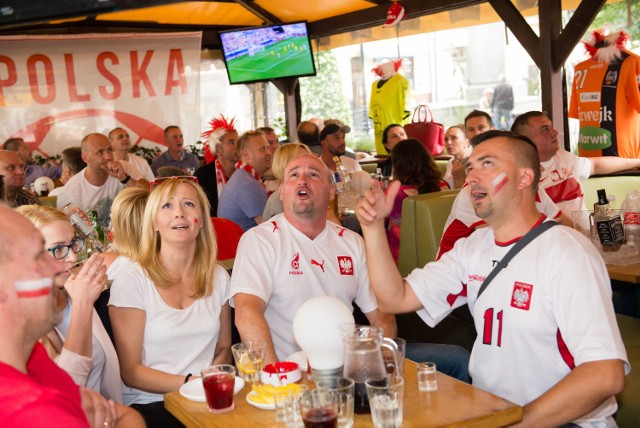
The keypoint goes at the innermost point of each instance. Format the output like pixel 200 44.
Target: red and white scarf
pixel 252 172
pixel 221 178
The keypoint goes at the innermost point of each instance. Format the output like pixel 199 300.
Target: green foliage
pixel 322 94
pixel 51 160
pixel 614 15
pixel 149 154
pixel 363 144
pixel 280 126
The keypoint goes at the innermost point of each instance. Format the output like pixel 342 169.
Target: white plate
pixel 299 357
pixel 193 390
pixel 259 405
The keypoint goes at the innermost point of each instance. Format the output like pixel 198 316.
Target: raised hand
pixel 85 286
pixel 376 205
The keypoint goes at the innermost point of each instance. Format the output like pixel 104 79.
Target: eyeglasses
pixel 59 252
pixel 160 180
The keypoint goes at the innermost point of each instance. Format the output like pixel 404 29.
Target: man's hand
pixel 115 169
pixel 100 412
pixel 375 206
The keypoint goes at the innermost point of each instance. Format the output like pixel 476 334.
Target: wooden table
pixel 455 404
pixel 627 273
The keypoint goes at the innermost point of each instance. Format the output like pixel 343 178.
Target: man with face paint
pixel 34 391
pixel 546 325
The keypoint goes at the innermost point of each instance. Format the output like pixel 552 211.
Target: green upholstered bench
pixel 618 185
pixel 628 414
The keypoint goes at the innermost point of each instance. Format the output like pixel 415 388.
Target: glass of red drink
pixel 218 381
pixel 319 409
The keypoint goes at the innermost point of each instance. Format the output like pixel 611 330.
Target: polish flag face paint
pixel 196 221
pixel 498 182
pixel 34 287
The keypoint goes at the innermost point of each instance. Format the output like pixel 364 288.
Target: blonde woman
pixel 457 145
pixel 169 310
pixel 281 158
pixel 79 344
pixel 126 224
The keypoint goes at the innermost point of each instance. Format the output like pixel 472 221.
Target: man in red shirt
pixel 34 391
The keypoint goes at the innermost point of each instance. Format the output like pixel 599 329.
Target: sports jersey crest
pixel 521 297
pixel 295 265
pixel 611 78
pixel 346 265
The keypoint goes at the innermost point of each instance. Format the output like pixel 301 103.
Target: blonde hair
pixel 127 212
pixel 206 249
pixel 283 155
pixel 42 216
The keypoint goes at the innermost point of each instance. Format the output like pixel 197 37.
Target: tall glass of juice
pixel 218 381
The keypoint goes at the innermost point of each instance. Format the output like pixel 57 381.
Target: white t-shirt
pixel 351 165
pixel 117 266
pixel 462 220
pixel 137 168
pixel 561 177
pixel 80 193
pixel 548 311
pixel 283 267
pixel 177 341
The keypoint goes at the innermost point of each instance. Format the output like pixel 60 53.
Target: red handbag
pixel 424 129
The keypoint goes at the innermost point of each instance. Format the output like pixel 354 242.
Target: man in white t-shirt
pixel 134 165
pixel 95 187
pixel 332 140
pixel 561 170
pixel 546 325
pixel 295 256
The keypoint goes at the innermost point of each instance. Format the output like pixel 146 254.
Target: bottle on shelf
pixel 608 223
pixel 345 192
pixel 85 230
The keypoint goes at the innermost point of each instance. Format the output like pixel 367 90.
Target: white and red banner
pixel 54 90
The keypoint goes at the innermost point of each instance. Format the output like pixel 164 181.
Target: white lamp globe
pixel 315 327
pixel 43 185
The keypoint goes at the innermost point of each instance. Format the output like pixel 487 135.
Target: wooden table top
pixel 627 273
pixel 455 404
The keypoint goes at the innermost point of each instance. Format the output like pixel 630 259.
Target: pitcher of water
pixel 363 359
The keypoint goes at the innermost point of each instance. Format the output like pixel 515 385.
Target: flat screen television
pixel 264 53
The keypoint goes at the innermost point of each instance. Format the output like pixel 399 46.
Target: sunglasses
pixel 159 181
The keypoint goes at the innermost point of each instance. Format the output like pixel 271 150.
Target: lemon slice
pixel 247 366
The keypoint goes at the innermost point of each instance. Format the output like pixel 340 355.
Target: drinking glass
pixel 427 380
pixel 249 358
pixel 385 400
pixel 287 408
pixel 344 388
pixel 319 409
pixel 218 381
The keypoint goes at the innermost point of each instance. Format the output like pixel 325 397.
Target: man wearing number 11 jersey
pixel 547 334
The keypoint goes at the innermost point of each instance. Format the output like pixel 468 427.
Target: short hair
pixel 42 215
pixel 168 128
pixel 85 140
pixel 524 150
pixel 308 133
pixel 478 113
pixel 114 130
pixel 72 157
pixel 283 155
pixel 522 120
pixel 127 212
pixel 242 141
pixel 266 130
pixel 385 133
pixel 206 248
pixel 170 171
pixel 413 165
pixel 12 144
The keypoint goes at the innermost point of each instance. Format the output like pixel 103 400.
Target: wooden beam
pixel 258 11
pixel 519 27
pixel 575 29
pixel 551 79
pixel 377 15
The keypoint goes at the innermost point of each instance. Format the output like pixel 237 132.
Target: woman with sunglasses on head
pixel 79 344
pixel 169 311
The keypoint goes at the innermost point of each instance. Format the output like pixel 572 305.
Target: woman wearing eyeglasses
pixel 169 311
pixel 79 344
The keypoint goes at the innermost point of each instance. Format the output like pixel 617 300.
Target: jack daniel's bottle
pixel 608 223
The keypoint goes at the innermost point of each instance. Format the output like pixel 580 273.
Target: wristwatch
pixel 126 179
